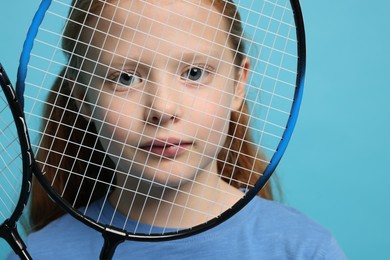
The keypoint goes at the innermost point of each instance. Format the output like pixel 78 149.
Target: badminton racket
pixel 15 166
pixel 157 109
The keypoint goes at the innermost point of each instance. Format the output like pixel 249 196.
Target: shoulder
pixel 67 236
pixel 279 216
pixel 284 232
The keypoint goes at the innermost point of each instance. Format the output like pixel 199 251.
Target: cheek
pixel 115 119
pixel 213 120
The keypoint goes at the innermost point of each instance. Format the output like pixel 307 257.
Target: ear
pixel 79 94
pixel 240 88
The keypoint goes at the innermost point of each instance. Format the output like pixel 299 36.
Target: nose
pixel 164 105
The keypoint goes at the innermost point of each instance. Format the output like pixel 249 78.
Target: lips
pixel 167 148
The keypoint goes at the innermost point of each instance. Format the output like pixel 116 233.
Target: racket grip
pixel 112 238
pixel 11 235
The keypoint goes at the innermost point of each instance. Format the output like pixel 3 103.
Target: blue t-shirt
pixel 262 230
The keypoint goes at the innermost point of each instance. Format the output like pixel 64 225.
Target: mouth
pixel 167 148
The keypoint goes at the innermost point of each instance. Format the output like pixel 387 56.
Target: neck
pixel 188 205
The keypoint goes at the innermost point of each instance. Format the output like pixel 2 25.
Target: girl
pixel 151 116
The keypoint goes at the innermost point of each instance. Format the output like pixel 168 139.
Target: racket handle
pixel 11 235
pixel 111 241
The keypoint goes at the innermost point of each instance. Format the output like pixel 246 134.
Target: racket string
pixel 269 97
pixel 11 173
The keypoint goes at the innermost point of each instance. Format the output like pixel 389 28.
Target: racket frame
pixel 8 229
pixel 113 236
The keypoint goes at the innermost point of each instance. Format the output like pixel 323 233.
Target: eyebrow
pixel 118 60
pixel 210 54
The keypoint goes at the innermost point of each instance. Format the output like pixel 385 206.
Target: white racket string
pixel 104 51
pixel 11 173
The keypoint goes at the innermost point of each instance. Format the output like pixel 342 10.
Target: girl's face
pixel 162 89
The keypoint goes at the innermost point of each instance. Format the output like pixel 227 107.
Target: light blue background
pixel 336 168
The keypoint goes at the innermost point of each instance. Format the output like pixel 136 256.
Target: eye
pixel 194 74
pixel 128 79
